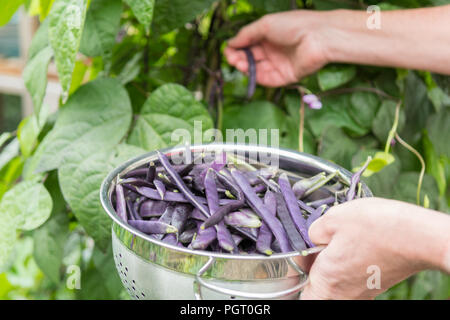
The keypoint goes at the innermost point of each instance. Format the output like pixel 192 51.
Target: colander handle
pixel 199 282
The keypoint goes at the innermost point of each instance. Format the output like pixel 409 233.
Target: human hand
pixel 287 46
pixel 370 237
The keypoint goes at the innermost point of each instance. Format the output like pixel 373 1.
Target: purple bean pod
pixel 294 209
pixel 121 208
pixel 258 206
pixel 355 180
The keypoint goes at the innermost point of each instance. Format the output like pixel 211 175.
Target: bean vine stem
pixel 393 130
pixel 422 163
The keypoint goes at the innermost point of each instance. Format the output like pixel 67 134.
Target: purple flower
pixel 310 98
pixel 315 105
pixel 312 101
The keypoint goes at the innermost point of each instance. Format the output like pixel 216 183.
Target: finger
pixel 249 35
pixel 234 55
pixel 258 52
pixel 320 231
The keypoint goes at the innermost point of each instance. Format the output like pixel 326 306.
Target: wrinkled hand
pixel 368 235
pixel 287 46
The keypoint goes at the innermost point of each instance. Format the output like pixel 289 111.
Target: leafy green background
pixel 133 71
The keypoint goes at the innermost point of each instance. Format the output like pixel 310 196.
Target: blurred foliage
pixel 132 71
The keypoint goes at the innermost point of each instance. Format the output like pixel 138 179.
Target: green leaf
pixel 9 152
pixel 95 117
pixel 143 10
pixel 430 284
pixel 49 241
pixel 336 146
pixel 35 76
pixel 101 27
pixel 384 120
pixel 363 108
pixel 7 240
pixel 434 166
pixel 9 7
pixel 131 69
pixel 28 204
pixel 438 127
pixel 171 14
pixel 78 75
pixel 50 238
pixel 443 82
pixel 168 108
pixel 104 262
pixel 405 188
pixel 334 113
pixel 335 76
pixel 40 40
pixel 417 108
pixel 242 117
pixel 80 178
pixel 66 20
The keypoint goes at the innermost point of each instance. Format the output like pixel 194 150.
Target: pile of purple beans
pixel 223 207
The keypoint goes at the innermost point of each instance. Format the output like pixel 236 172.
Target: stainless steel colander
pixel 152 269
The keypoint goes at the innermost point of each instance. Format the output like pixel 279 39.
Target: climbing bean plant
pixel 133 71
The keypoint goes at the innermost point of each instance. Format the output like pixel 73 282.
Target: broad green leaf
pixel 10 173
pixel 171 14
pixel 430 284
pixel 35 76
pixel 168 108
pixel 242 117
pixel 434 166
pixel 50 238
pixel 405 188
pixel 28 204
pixel 289 137
pixel 7 240
pixel 363 108
pixel 80 179
pixel 9 152
pixel 95 117
pixel 143 10
pixel 27 133
pixel 131 69
pixel 336 146
pixel 334 113
pixel 78 75
pixel 104 262
pixel 101 27
pixel 44 8
pixel 443 82
pixel 40 40
pixel 335 76
pixel 66 20
pixel 438 126
pixel 49 242
pixel 8 8
pixel 417 108
pixel 384 120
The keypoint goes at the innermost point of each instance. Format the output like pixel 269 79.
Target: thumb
pixel 320 231
pixel 249 35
